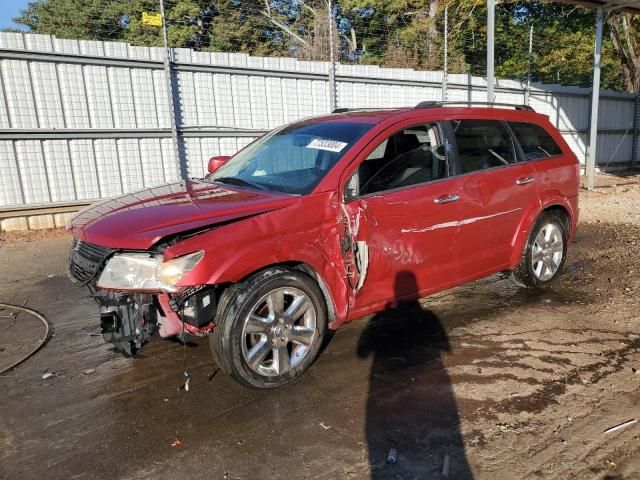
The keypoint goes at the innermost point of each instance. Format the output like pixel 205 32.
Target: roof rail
pixel 434 104
pixel 361 109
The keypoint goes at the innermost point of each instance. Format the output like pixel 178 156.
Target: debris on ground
pixel 187 376
pixel 506 427
pixel 89 371
pixel 392 457
pixel 176 443
pixel 326 427
pixel 610 463
pixel 620 426
pixel 48 375
pixel 445 466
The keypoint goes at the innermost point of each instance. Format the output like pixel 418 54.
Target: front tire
pixel 269 328
pixel 544 253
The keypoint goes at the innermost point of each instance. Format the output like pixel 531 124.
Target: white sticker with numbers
pixel 329 145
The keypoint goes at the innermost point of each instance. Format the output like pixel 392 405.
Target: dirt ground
pixel 484 381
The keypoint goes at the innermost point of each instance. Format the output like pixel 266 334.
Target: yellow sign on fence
pixel 153 19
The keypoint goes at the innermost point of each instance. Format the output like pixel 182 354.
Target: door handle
pixel 525 180
pixel 446 198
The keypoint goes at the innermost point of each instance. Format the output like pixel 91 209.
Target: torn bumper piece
pixel 192 312
pixel 128 320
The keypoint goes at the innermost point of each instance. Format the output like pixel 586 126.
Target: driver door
pixel 401 204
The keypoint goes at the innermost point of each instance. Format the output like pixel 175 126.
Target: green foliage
pixel 116 20
pixel 86 19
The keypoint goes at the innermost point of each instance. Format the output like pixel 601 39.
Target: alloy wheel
pixel 547 252
pixel 279 331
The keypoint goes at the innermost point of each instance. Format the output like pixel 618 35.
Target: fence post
pixel 635 151
pixel 332 64
pixel 446 48
pixel 595 99
pixel 491 11
pixel 527 92
pixel 168 79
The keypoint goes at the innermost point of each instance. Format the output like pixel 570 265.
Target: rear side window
pixel 535 141
pixel 482 144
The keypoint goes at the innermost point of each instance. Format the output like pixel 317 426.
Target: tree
pixel 396 33
pixel 118 20
pixel 625 38
pixel 82 19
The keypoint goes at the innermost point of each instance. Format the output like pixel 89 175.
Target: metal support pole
pixel 169 82
pixel 491 12
pixel 595 97
pixel 332 65
pixel 635 150
pixel 527 92
pixel 445 70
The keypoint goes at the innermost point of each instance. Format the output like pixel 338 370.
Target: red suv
pixel 324 221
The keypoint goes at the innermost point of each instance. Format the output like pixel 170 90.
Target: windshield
pixel 293 159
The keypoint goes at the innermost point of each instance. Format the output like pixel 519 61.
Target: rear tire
pixel 269 328
pixel 544 253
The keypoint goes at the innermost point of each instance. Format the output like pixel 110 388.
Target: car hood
pixel 139 220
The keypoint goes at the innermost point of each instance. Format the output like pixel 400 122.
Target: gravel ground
pixel 501 382
pixel 616 199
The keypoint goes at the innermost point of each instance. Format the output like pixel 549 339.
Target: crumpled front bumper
pixel 128 319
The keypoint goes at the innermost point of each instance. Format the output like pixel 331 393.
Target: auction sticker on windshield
pixel 329 145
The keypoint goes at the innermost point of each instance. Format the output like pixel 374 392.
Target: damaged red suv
pixel 321 222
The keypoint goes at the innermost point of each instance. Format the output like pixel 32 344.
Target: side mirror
pixel 216 162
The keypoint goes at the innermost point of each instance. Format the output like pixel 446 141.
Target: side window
pixel 411 156
pixel 482 144
pixel 534 140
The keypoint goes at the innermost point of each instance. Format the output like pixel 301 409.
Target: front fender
pixel 305 233
pixel 327 266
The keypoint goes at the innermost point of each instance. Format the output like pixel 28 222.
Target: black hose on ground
pixel 40 344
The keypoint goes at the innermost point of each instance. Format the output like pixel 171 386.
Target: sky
pixel 8 10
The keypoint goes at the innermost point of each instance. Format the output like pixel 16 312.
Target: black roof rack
pixel 434 104
pixel 360 109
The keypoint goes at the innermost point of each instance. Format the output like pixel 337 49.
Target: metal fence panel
pixel 10 184
pixel 81 120
pixel 108 167
pixel 60 171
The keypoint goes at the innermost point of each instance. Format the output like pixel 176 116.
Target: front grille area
pixel 86 261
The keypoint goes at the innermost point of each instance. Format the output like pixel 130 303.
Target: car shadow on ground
pixel 411 410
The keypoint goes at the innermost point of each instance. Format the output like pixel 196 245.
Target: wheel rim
pixel 279 331
pixel 547 252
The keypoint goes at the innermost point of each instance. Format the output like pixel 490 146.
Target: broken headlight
pixel 146 271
